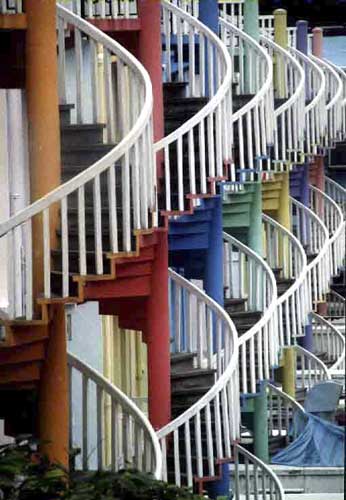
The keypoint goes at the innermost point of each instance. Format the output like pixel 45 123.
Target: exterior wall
pixel 85 341
pixel 14 178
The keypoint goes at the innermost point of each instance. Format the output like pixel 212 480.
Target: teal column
pixel 260 425
pixel 251 27
pixel 255 241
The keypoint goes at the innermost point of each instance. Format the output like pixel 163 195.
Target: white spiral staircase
pixel 191 448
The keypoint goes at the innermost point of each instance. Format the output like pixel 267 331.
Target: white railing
pixel 341 73
pixel 133 441
pixel 331 215
pixel 211 128
pixel 11 6
pixel 315 109
pixel 103 9
pixel 336 304
pixel 285 252
pixel 201 326
pixel 334 96
pixel 253 123
pixel 281 408
pixel 248 276
pixel 289 81
pixel 313 236
pixel 232 11
pixel 130 164
pixel 336 192
pixel 329 341
pixel 253 478
pixel 310 370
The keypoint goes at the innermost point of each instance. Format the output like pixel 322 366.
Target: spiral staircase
pixel 220 166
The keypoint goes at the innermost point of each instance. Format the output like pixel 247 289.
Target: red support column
pixel 158 339
pixel 149 53
pixel 53 394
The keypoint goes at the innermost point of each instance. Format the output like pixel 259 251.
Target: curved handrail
pixel 215 83
pixel 280 418
pixel 262 477
pixel 315 110
pixel 311 369
pixel 140 449
pixel 336 192
pixel 327 339
pixel 134 136
pixel 334 92
pixel 285 250
pixel 342 75
pixel 313 235
pixel 332 217
pixel 256 282
pixel 253 121
pixel 289 116
pixel 212 331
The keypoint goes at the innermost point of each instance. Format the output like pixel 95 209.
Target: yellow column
pixel 289 371
pixel 280 37
pixel 43 118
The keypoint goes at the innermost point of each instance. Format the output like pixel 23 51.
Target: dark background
pixel 317 12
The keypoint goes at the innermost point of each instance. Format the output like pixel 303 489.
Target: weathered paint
pixel 280 37
pixel 260 425
pixel 43 119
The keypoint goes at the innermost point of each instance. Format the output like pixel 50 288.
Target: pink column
pixel 317 42
pixel 149 53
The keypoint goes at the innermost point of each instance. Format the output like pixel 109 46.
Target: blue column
pixel 209 14
pixel 213 284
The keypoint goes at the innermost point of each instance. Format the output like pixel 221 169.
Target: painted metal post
pixel 251 27
pixel 289 371
pixel 260 425
pixel 213 284
pixel 209 15
pixel 280 37
pixel 317 42
pixel 150 55
pixel 43 120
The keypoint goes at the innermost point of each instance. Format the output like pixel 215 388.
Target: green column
pixel 280 37
pixel 289 371
pixel 251 27
pixel 255 241
pixel 260 425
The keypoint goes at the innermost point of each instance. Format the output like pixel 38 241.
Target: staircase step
pixel 245 317
pixel 182 361
pixel 22 354
pixel 25 372
pixel 235 305
pixel 192 379
pixel 84 155
pixel 172 90
pixel 83 134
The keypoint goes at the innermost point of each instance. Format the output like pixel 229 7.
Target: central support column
pixel 158 339
pixel 280 37
pixel 149 53
pixel 251 27
pixel 43 119
pixel 289 371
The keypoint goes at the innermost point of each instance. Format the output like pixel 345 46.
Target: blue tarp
pixel 321 444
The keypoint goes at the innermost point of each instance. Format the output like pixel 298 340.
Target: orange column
pixel 53 394
pixel 43 116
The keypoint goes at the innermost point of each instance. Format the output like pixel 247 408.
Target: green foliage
pixel 26 475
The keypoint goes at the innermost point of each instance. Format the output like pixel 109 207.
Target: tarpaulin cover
pixel 321 444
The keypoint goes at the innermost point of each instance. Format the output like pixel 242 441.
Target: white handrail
pixel 342 75
pixel 315 109
pixel 214 81
pixel 259 478
pixel 280 416
pixel 311 370
pixel 327 339
pixel 255 281
pixel 289 116
pixel 334 94
pixel 138 178
pixel 313 235
pixel 213 339
pixel 336 192
pixel 254 121
pixel 332 217
pixel 133 440
pixel 284 250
